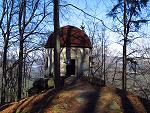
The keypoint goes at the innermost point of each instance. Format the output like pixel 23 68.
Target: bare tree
pixel 6 19
pixel 57 45
pixel 21 22
pixel 29 25
pixel 131 21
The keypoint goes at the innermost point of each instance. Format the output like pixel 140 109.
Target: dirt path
pixel 80 97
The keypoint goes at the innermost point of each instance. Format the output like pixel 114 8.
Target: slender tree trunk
pixel 4 72
pixel 124 51
pixel 6 41
pixel 24 69
pixel 103 55
pixel 57 46
pixel 104 72
pixel 20 69
pixel 22 15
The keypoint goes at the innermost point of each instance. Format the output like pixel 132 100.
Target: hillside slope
pixel 80 97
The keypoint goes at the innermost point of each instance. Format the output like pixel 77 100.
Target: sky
pixel 99 9
pixel 96 8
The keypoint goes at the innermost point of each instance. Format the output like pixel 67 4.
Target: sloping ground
pixel 113 100
pixel 80 97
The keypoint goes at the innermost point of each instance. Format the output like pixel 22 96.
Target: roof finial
pixel 82 26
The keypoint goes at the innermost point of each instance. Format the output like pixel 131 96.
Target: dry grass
pixel 80 97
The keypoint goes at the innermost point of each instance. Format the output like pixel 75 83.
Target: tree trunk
pixel 22 15
pixel 6 35
pixel 4 72
pixel 124 51
pixel 57 46
pixel 20 69
pixel 104 71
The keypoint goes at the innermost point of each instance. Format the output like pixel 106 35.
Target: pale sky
pixel 96 8
pixel 99 9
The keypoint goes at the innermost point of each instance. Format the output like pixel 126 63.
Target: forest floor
pixel 80 97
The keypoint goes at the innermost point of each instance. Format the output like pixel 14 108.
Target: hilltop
pixel 80 97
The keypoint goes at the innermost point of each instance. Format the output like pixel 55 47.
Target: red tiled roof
pixel 70 36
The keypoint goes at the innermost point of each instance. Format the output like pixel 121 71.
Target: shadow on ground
pixel 80 97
